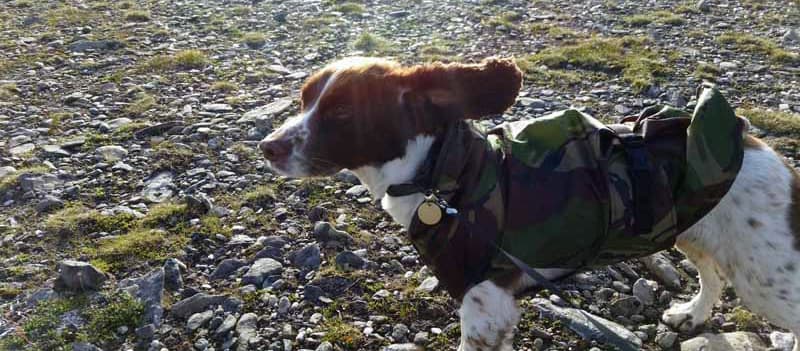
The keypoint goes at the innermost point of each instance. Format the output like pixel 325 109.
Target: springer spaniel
pixel 363 114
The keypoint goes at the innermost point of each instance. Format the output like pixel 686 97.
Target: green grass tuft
pixel 372 44
pixel 137 16
pixel 169 155
pixel 224 87
pixel 662 17
pixel 183 60
pixel 139 246
pixel 11 180
pixel 707 71
pixel 630 56
pixel 254 40
pixel 343 334
pixel 350 8
pixel 749 43
pixel 76 219
pixel 143 103
pixel 775 122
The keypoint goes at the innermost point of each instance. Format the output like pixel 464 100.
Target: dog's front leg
pixel 488 314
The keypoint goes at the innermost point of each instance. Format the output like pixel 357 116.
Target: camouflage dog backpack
pixel 566 191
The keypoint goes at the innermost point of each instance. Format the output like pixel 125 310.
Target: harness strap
pixel 640 172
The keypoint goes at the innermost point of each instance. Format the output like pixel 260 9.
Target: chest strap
pixel 640 172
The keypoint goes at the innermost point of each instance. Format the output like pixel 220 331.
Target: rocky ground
pixel 136 212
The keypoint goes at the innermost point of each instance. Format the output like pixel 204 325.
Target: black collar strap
pixel 423 180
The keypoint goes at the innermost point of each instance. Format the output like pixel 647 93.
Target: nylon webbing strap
pixel 620 342
pixel 641 174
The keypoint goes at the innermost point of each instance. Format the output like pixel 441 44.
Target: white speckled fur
pixel 724 246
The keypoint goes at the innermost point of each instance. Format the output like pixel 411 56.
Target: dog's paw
pixel 683 317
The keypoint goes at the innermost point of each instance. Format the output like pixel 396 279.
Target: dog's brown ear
pixel 467 90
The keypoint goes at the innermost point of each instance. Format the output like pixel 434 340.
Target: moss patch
pixel 39 331
pixel 254 40
pixel 183 60
pixel 11 180
pixel 139 246
pixel 749 43
pixel 707 72
pixel 372 44
pixel 639 65
pixel 224 87
pixel 343 334
pixel 77 219
pixel 137 16
pixel 350 8
pixel 661 17
pixel 169 155
pixel 779 123
pixel 261 196
pixel 142 103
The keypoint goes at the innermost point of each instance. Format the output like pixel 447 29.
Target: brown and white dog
pixel 379 119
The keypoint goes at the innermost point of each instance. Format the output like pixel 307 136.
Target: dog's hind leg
pixel 689 315
pixel 488 315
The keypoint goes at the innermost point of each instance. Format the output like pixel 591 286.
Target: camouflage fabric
pixel 556 191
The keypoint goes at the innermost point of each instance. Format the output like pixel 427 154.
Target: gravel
pixel 119 117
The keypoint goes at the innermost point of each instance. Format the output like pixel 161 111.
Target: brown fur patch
pixel 753 142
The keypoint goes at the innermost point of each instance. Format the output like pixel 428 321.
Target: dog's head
pixel 362 111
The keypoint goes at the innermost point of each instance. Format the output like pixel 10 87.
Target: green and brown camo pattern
pixel 556 192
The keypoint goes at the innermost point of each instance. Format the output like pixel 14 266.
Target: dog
pixel 380 120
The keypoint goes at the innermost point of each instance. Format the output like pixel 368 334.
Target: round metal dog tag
pixel 429 213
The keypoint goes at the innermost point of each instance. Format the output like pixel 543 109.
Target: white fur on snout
pixel 297 131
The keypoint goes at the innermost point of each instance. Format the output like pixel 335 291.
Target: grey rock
pixel 95 45
pixel 782 341
pixel 347 260
pixel 173 281
pixel 22 149
pixel 51 150
pixel 663 269
pixel 247 331
pixel 324 232
pixel 217 108
pixel 325 346
pixel 150 292
pixel 403 347
pixel 49 203
pixel 110 153
pixel 645 291
pixel 283 305
pixel 198 320
pixel 400 332
pixel 308 257
pixel 200 302
pixel 429 284
pixel 312 293
pixel 144 335
pixel 78 276
pixel 728 66
pixel 201 344
pixel 159 187
pixel 38 183
pixel 703 5
pixel 736 341
pixel 791 36
pixel 260 270
pixel 226 268
pixel 6 170
pixel 666 340
pixel 227 325
pixel 262 116
pixel 626 306
pixel 585 324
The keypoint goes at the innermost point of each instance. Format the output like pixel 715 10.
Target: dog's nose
pixel 276 149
